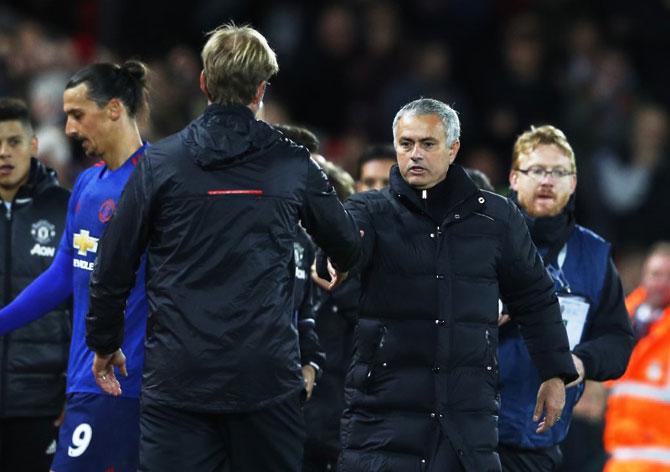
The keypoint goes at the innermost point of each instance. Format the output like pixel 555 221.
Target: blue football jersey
pixel 92 204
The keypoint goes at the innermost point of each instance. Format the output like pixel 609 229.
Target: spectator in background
pixel 521 92
pixel 430 73
pixel 374 167
pixel 584 48
pixel 46 99
pixel 637 426
pixel 633 186
pixel 33 359
pixel 383 40
pixel 484 159
pixel 543 179
pixel 175 97
pixel 320 75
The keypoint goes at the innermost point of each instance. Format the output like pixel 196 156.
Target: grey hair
pixel 430 106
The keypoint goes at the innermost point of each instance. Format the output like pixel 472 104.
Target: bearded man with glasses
pixel 543 181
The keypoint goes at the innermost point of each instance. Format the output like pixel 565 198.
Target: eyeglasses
pixel 539 172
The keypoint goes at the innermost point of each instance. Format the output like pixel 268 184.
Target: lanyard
pixel 557 272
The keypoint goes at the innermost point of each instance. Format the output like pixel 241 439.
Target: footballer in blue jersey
pixel 91 206
pixel 101 102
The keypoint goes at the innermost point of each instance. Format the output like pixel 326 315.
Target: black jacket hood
pixel 41 178
pixel 227 135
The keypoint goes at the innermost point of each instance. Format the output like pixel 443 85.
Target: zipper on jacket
pixel 7 287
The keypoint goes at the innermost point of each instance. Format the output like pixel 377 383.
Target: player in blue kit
pixel 102 103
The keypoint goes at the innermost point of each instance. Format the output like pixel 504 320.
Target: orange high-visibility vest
pixel 637 424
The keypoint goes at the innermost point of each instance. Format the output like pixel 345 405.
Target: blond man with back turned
pixel 216 207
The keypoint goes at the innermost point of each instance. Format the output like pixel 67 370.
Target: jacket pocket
pixel 491 357
pixel 375 360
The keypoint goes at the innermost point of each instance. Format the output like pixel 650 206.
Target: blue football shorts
pixel 101 433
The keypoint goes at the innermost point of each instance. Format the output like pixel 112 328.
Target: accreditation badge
pixel 574 310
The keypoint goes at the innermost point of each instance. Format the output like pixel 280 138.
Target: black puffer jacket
pixel 33 359
pixel 217 206
pixel 427 334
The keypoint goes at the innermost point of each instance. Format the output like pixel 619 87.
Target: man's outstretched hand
pixel 336 277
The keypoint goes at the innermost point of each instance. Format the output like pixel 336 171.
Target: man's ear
pixel 453 151
pixel 203 86
pixel 513 179
pixel 34 145
pixel 260 93
pixel 114 109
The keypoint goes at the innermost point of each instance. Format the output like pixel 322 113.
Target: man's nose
pixel 415 153
pixel 547 179
pixel 70 129
pixel 4 149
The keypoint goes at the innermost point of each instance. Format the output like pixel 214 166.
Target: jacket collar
pixel 40 178
pixel 242 111
pixel 458 195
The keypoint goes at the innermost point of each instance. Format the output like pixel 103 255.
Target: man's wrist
pixel 317 369
pixel 105 353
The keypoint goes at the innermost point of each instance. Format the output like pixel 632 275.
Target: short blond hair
pixel 236 59
pixel 546 134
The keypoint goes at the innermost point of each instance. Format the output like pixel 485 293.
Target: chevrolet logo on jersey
pixel 83 243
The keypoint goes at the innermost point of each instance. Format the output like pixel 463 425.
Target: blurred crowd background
pixel 599 70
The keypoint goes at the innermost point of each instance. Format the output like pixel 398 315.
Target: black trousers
pixel 530 460
pixel 265 440
pixel 26 444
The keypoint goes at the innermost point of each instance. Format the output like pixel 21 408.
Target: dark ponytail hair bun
pixel 136 70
